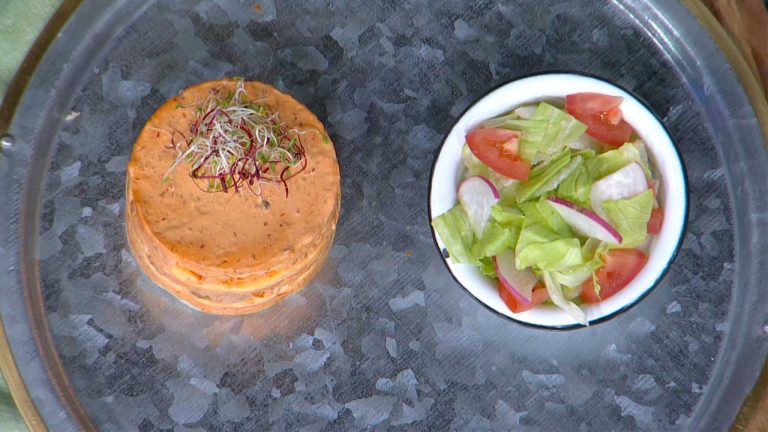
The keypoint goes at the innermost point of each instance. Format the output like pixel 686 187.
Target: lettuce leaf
pixel 576 187
pixel 501 121
pixel 642 150
pixel 533 216
pixel 546 241
pixel 559 176
pixel 534 231
pixel 541 175
pixel 585 153
pixel 585 142
pixel 571 293
pixel 613 160
pixel 495 239
pixel 506 121
pixel 551 256
pixel 505 215
pixel 553 219
pixel 575 276
pixel 547 132
pixel 486 267
pixel 630 217
pixel 524 112
pixel 556 295
pixel 455 231
pixel 592 248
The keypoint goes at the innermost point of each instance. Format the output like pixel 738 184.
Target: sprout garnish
pixel 236 143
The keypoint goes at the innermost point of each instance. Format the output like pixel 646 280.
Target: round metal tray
pixel 384 338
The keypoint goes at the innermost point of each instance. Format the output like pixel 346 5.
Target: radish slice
pixel 584 222
pixel 624 183
pixel 525 112
pixel 477 195
pixel 518 282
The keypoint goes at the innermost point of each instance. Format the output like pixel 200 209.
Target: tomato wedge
pixel 498 148
pixel 621 266
pixel 602 115
pixel 599 128
pixel 591 103
pixel 656 221
pixel 538 296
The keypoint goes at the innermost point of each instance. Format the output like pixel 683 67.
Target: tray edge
pixel 747 417
pixel 8 366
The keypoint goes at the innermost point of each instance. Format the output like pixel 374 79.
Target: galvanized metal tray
pixel 383 338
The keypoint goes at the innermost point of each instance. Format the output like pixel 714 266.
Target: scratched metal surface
pixel 384 338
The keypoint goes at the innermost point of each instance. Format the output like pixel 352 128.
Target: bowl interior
pixel 667 166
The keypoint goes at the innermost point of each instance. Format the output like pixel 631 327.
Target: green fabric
pixel 20 23
pixel 10 419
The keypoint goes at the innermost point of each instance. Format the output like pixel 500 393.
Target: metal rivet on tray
pixel 6 141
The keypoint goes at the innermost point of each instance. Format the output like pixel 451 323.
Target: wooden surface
pixel 746 21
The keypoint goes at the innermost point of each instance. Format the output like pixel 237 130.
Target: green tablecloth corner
pixel 10 419
pixel 20 23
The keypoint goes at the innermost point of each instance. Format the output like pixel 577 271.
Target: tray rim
pixel 750 407
pixel 8 367
pixel 16 88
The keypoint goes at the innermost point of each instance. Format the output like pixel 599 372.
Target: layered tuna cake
pixel 233 194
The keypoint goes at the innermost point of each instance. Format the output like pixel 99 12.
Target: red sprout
pixel 285 183
pixel 225 114
pixel 211 111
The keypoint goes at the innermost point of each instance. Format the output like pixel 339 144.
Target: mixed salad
pixel 557 204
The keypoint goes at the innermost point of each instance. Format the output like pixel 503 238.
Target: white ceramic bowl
pixel 448 167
